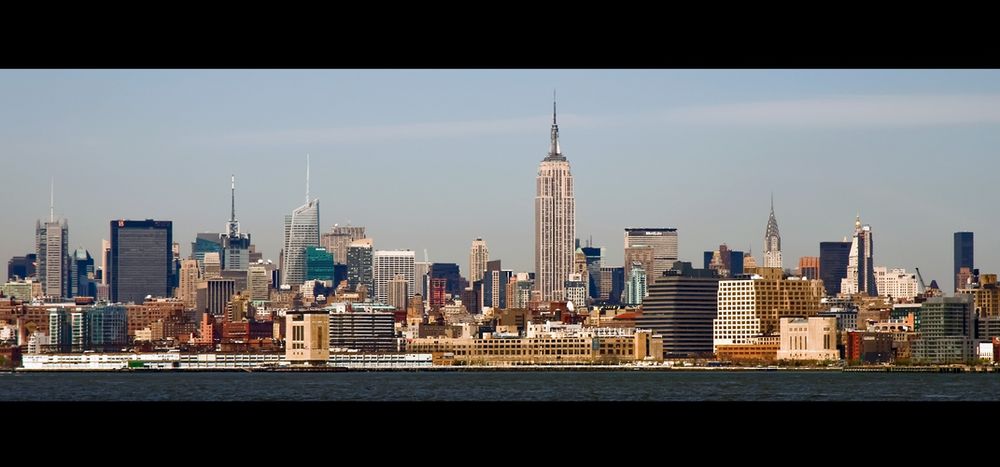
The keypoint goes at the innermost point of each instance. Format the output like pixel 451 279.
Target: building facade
pixel 635 286
pixel 363 331
pixel 664 245
pixel 813 338
pixel 964 255
pixel 386 264
pixel 947 330
pixel 219 292
pixel 479 255
pixel 306 340
pixel 398 292
pixel 258 282
pixel 319 264
pixel 833 260
pixel 809 267
pixel 141 260
pixel 896 283
pixel 359 264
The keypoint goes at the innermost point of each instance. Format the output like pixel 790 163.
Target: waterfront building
pixel 307 337
pixel 681 306
pixel 813 338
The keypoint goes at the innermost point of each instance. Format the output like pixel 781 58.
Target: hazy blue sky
pixel 433 158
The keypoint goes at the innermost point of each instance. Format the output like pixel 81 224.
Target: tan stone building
pixel 585 348
pixel 813 338
pixel 750 308
pixel 986 297
pixel 306 336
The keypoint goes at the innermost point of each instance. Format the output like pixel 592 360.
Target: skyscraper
pixel 212 265
pixel 439 287
pixel 612 284
pixel 319 264
pixel 82 275
pixel 809 267
pixel 555 220
pixel 860 264
pixel 141 259
pixel 105 262
pixel 495 283
pixel 52 247
pixel 235 244
pixel 385 265
pixel 203 244
pixel 258 282
pixel 594 257
pixel 450 272
pixel 963 255
pixel 301 231
pixel 479 255
pixel 663 242
pixel 421 277
pixel 643 256
pixel 339 238
pixel 187 291
pixel 219 292
pixel 681 306
pixel 359 264
pixel 833 259
pixel 772 241
pixel 21 266
pixel 635 286
pixel 398 291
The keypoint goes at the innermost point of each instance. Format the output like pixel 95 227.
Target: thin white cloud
pixel 409 131
pixel 855 111
pixel 848 111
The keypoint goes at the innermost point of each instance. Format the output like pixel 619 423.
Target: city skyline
pixel 632 162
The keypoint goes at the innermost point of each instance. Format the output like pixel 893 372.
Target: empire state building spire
pixel 554 152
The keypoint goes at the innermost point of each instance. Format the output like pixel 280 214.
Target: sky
pixel 431 159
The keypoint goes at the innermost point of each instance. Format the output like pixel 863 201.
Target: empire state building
pixel 555 221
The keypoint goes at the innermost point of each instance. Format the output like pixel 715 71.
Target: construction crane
pixel 923 286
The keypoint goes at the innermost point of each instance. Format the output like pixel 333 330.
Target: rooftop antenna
pixel 307 178
pixel 52 200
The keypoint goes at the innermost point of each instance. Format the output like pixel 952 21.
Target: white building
pixel 895 283
pixel 576 291
pixel 479 255
pixel 635 285
pixel 985 351
pixel 860 273
pixel 386 264
pixel 301 231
